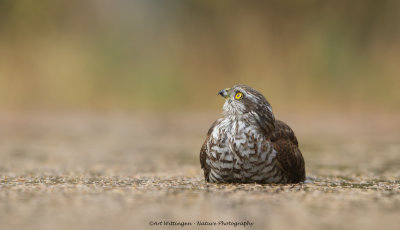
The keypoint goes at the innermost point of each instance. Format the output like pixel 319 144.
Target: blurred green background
pixel 149 54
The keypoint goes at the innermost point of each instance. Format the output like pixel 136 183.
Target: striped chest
pixel 239 152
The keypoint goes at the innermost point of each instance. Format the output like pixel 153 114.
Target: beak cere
pixel 224 92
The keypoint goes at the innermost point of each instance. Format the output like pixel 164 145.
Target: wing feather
pixel 203 151
pixel 289 156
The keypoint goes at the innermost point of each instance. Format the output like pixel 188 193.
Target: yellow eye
pixel 238 96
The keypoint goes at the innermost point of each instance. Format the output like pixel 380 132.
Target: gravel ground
pixel 141 171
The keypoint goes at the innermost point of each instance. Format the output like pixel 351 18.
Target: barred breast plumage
pixel 248 145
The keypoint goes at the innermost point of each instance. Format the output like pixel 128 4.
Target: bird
pixel 248 145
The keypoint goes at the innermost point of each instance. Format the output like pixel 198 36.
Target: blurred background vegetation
pixel 154 54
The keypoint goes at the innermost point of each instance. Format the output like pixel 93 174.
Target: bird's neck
pixel 247 118
pixel 262 121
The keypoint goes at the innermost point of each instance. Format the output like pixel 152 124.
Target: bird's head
pixel 242 99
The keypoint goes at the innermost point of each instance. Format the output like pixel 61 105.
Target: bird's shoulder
pixel 214 124
pixel 282 131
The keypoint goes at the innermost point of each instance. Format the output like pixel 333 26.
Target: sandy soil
pixel 141 171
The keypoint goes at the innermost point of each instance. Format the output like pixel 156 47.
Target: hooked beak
pixel 224 92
